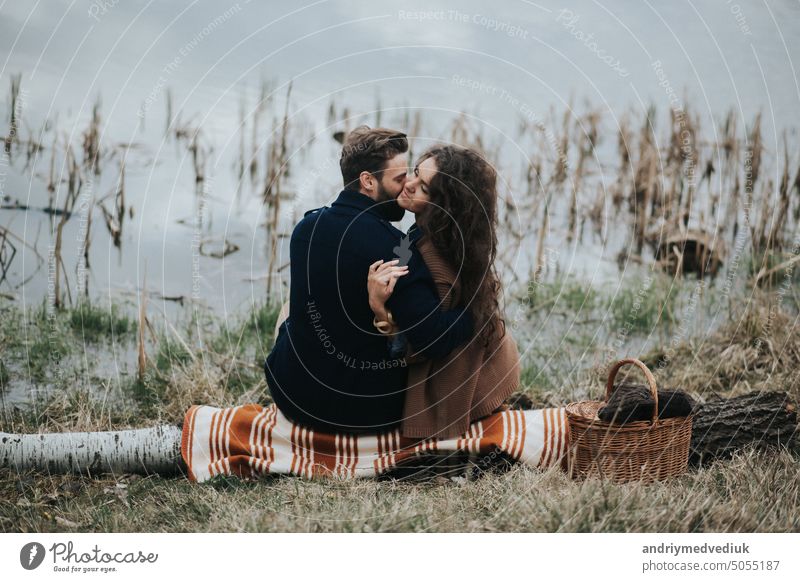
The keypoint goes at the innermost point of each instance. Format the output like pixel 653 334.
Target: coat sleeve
pixel 416 307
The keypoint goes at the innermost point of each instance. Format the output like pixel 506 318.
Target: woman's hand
pixel 381 280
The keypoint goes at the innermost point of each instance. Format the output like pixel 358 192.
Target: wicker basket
pixel 645 450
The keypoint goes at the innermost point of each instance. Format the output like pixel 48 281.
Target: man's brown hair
pixel 368 150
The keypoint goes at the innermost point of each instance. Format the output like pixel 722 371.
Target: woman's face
pixel 416 193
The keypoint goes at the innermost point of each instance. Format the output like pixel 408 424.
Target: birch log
pixel 146 450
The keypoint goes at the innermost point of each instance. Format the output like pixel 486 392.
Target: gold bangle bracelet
pixel 386 327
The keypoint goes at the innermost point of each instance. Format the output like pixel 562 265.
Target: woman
pixel 453 195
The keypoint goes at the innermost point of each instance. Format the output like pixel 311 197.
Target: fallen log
pixel 153 450
pixel 722 427
pixel 719 428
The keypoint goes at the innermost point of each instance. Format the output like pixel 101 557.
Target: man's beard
pixel 389 207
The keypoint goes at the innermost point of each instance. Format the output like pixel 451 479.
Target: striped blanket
pixel 250 441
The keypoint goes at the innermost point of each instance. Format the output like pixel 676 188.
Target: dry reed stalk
pixel 16 81
pixel 540 258
pixel 7 253
pixel 753 155
pixel 273 194
pixel 378 109
pixel 85 245
pixel 784 204
pixel 115 220
pixel 623 147
pixel 597 213
pixel 91 140
pixel 141 360
pixel 647 194
pixel 729 172
pixel 760 235
pixel 562 166
pixel 730 144
pixel 240 162
pixel 459 131
pixel 414 131
pixel 199 155
pixel 32 147
pixel 74 178
pixel 87 241
pixel 583 153
pixel 119 200
pixel 641 167
pixel 51 181
pixel 644 177
pixel 674 167
pixel 74 185
pixel 332 113
pixel 264 100
pixel 796 189
pixel 712 196
pixel 168 122
pixel 690 159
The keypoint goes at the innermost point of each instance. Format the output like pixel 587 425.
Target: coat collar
pixel 362 202
pixel 414 232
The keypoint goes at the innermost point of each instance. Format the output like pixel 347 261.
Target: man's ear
pixel 367 182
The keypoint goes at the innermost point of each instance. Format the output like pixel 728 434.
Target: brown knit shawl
pixel 445 395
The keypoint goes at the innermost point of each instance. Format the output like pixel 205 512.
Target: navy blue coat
pixel 330 369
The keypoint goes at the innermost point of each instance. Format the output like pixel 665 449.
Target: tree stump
pixel 692 251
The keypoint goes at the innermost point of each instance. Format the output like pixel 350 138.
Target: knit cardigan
pixel 446 395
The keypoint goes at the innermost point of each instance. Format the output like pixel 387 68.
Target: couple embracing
pixel 389 329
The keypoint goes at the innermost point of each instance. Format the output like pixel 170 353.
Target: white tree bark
pixel 147 450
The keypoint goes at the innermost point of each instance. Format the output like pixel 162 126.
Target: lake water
pixel 376 62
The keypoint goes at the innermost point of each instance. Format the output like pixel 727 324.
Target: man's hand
pixel 380 284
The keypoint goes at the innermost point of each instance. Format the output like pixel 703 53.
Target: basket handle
pixel 648 374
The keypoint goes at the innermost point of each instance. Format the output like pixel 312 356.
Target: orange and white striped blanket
pixel 249 441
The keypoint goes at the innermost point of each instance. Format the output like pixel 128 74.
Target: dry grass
pixel 202 382
pixel 71 410
pixel 758 351
pixel 753 492
pixel 750 493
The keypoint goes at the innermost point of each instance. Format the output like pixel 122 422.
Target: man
pixel 330 368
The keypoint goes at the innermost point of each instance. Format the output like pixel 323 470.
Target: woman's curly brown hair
pixel 461 221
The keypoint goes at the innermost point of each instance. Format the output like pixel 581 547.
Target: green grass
pixel 93 323
pixel 41 340
pixel 147 393
pixel 579 319
pixel 533 375
pixel 171 352
pixel 565 294
pixel 261 321
pixel 47 345
pixel 253 331
pixel 643 304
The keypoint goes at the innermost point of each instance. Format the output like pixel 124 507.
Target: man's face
pixel 393 178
